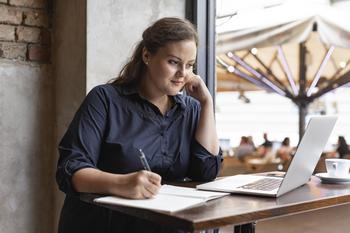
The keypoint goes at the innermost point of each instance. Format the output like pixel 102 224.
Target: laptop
pixel 299 172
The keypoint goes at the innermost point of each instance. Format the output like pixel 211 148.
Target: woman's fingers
pixel 192 82
pixel 141 184
pixel 154 183
pixel 147 193
pixel 196 88
pixel 151 184
pixel 150 190
pixel 155 179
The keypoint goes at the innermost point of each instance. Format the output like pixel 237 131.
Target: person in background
pixel 244 149
pixel 267 142
pixel 265 149
pixel 285 151
pixel 141 109
pixel 251 142
pixel 343 148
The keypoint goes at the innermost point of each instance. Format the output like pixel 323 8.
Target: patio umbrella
pixel 303 50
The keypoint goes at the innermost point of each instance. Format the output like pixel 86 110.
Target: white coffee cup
pixel 338 167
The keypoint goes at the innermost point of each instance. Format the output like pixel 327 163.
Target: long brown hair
pixel 163 31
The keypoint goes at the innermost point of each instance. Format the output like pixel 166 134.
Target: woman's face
pixel 169 68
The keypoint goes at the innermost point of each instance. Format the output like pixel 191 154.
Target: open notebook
pixel 169 199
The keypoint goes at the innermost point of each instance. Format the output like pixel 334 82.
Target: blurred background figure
pixel 285 151
pixel 251 142
pixel 267 142
pixel 343 148
pixel 244 149
pixel 265 149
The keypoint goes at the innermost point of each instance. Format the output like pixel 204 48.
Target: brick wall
pixel 25 30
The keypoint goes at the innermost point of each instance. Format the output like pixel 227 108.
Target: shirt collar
pixel 129 89
pixel 180 99
pixel 132 90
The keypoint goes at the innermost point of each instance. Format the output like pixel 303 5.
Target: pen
pixel 144 161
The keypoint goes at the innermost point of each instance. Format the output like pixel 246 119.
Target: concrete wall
pixel 26 117
pixel 26 133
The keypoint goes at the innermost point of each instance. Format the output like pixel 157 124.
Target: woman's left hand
pixel 196 88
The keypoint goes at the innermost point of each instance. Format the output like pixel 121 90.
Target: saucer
pixel 330 179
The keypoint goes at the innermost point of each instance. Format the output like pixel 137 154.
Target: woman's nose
pixel 181 71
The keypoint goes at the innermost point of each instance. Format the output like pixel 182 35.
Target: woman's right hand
pixel 140 185
pixel 136 185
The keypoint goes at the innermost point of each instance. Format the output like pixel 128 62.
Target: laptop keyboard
pixel 265 184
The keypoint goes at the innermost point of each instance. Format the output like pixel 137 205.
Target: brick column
pixel 25 30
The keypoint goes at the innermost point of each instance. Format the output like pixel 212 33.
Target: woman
pixel 343 148
pixel 244 150
pixel 285 151
pixel 141 109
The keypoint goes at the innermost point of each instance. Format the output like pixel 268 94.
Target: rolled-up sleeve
pixel 80 146
pixel 204 166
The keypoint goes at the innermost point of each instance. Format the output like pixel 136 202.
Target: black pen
pixel 144 161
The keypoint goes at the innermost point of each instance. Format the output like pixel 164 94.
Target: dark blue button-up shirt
pixel 110 126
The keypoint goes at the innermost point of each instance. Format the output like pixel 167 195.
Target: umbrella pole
pixel 303 107
pixel 302 102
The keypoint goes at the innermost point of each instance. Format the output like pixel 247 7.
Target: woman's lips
pixel 177 82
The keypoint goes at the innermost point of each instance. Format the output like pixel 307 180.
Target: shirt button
pixel 164 153
pixel 162 134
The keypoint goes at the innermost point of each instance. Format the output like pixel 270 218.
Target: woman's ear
pixel 145 55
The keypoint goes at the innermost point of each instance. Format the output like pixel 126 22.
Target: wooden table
pixel 244 211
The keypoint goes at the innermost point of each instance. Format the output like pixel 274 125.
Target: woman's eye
pixel 189 66
pixel 173 62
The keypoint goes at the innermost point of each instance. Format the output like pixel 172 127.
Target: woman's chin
pixel 174 91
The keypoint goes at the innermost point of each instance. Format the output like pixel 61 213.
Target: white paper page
pixel 164 203
pixel 190 192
